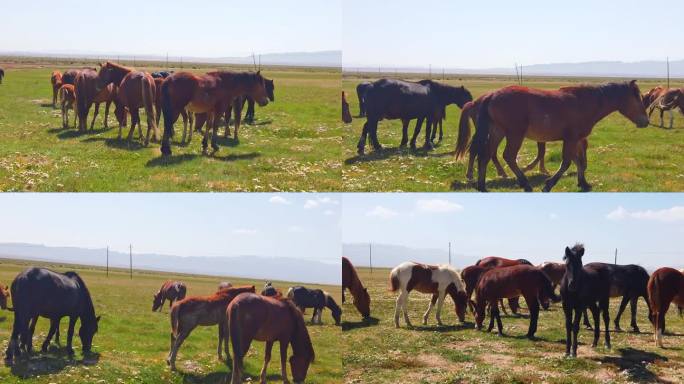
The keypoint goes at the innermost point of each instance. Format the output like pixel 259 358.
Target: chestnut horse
pixel 193 311
pixel 239 104
pixel 188 118
pixel 554 271
pixel 568 114
pixel 437 280
pixel 171 291
pixel 581 288
pixel 346 115
pixel 471 275
pixel 56 81
pixel 665 286
pixel 263 318
pixel 67 100
pixel 351 281
pixel 106 95
pixel 4 295
pixel 508 282
pixel 209 94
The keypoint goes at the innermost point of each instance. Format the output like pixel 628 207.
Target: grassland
pixel 294 144
pixel 377 352
pixel 132 342
pixel 621 157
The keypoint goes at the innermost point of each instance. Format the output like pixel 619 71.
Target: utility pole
pixel 430 72
pixel 167 61
pixel 517 77
pixel 668 72
pixel 108 261
pixel 615 256
pixel 450 253
pixel 370 257
pixel 130 259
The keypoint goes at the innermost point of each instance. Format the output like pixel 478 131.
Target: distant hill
pixel 258 267
pixel 386 255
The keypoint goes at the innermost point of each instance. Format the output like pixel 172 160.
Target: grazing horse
pixel 4 295
pixel 136 90
pixel 398 99
pixel 56 81
pixel 193 311
pixel 351 281
pixel 255 317
pixel 508 282
pixel 317 299
pixel 67 100
pixel 583 287
pixel 209 94
pixel 346 115
pixel 437 280
pixel 270 290
pixel 568 114
pixel 171 291
pixel 554 271
pixel 41 292
pixel 665 286
pixel 668 101
pixel 361 90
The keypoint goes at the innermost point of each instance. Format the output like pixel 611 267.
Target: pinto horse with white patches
pixel 437 280
pixel 171 291
pixel 665 286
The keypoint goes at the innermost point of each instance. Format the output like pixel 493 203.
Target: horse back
pixel 39 291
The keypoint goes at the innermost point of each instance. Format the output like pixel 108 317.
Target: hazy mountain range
pixel 257 267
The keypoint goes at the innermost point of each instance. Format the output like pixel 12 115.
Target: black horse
pixel 398 99
pixel 581 288
pixel 628 281
pixel 2 74
pixel 269 290
pixel 161 74
pixel 41 292
pixel 317 299
pixel 361 90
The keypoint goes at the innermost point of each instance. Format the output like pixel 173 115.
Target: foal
pixel 665 286
pixel 67 100
pixel 171 291
pixel 56 81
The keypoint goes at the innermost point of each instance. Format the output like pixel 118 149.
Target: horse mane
pixel 609 90
pixel 237 75
pixel 85 293
pixel 330 303
pixel 117 66
pixel 301 342
pixel 578 247
pixel 456 274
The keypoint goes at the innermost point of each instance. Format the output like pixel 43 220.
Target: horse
pixel 239 105
pixel 666 285
pixel 317 299
pixel 361 90
pixel 583 287
pixel 554 271
pixel 106 95
pixel 668 100
pixel 136 90
pixel 206 94
pixel 224 285
pixel 437 280
pixel 351 281
pixel 42 292
pixel 508 282
pixel 171 291
pixel 568 114
pixel 193 311
pixel 67 100
pixel 161 74
pixel 188 118
pixel 398 99
pixel 346 115
pixel 56 81
pixel 87 86
pixel 471 276
pixel 270 290
pixel 496 261
pixel 4 295
pixel 255 317
pixel 628 281
pixel 2 74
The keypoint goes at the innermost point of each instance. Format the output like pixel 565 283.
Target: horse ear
pixel 365 290
pixel 258 72
pixel 568 252
pixel 581 252
pixel 633 82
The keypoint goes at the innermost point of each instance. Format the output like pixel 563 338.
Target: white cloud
pixel 668 215
pixel 277 199
pixel 320 201
pixel 382 212
pixel 245 231
pixel 295 229
pixel 437 206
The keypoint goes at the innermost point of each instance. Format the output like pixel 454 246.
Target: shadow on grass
pixel 166 161
pixel 634 363
pixel 70 133
pixel 443 328
pixel 369 322
pixel 536 182
pixel 233 157
pixel 134 145
pixel 48 363
pixel 213 377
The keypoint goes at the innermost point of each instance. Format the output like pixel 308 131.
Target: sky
pixel 646 228
pixel 499 33
pixel 304 226
pixel 200 28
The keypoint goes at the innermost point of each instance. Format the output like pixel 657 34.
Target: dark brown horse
pixel 554 271
pixel 568 114
pixel 188 118
pixel 509 282
pixel 471 276
pixel 4 295
pixel 239 104
pixel 67 101
pixel 255 317
pixel 498 262
pixel 209 94
pixel 361 90
pixel 56 81
pixel 2 75
pixel 351 281
pixel 665 286
pixel 87 86
pixel 346 115
pixel 193 311
pixel 171 291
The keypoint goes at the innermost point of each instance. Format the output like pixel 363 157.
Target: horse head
pixel 573 263
pixel 157 301
pixel 362 303
pixel 270 89
pixel 4 295
pixel 87 331
pixel 257 91
pixel 631 105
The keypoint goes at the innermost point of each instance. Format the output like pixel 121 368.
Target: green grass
pixel 133 341
pixel 294 144
pixel 621 157
pixel 377 352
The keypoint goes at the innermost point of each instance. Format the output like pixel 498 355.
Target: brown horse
pixel 210 94
pixel 471 275
pixel 67 100
pixel 668 101
pixel 508 282
pixel 351 281
pixel 238 105
pixel 255 317
pixel 56 81
pixel 554 271
pixel 171 291
pixel 568 114
pixel 665 286
pixel 187 117
pixel 87 86
pixel 346 115
pixel 136 90
pixel 106 95
pixel 4 295
pixel 654 98
pixel 193 311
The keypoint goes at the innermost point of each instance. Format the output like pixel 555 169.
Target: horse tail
pixel 235 332
pixel 480 142
pixel 394 280
pixel 148 91
pixel 167 109
pixel 464 130
pixel 654 296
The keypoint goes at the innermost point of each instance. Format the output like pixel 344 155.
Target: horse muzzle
pixel 642 122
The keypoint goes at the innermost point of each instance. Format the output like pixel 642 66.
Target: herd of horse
pixel 200 99
pixel 515 113
pixel 584 288
pixel 240 313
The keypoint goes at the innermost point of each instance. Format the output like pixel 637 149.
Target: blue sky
pixel 289 225
pixel 207 28
pixel 498 33
pixel 646 228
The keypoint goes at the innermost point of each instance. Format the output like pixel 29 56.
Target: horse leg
pixel 587 324
pixel 70 335
pixel 267 359
pixel 404 132
pixel 533 306
pixel 283 360
pixel 433 300
pixel 575 331
pixel 492 304
pixel 581 163
pixel 207 132
pixel 541 151
pixel 569 155
pixel 597 325
pixel 185 126
pixel 416 131
pixel 603 306
pixel 440 303
pixel 238 119
pixel 623 305
pixel 499 324
pixel 495 139
pixel 361 145
pixel 482 161
pixel 397 308
pixel 510 155
pixel 501 304
pixel 514 303
pixel 214 132
pixel 633 310
pixel 671 118
pixel 171 360
pixel 95 113
pixel 662 125
pixel 135 119
pixel 106 117
pixel 54 325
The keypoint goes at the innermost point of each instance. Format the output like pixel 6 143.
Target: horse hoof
pixel 527 188
pixel 608 346
pixel 546 188
pixel 636 330
pixel 360 152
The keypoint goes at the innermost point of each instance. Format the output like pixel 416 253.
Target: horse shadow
pixel 223 141
pixel 536 181
pixel 234 157
pixel 71 133
pixel 213 377
pixel 54 361
pixel 167 161
pixel 369 322
pixel 383 154
pixel 635 363
pixel 443 328
pixel 124 144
